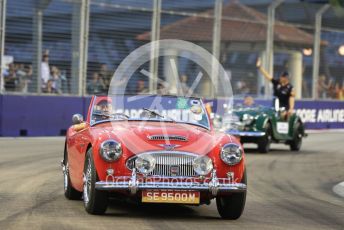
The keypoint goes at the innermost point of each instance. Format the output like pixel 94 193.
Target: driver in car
pixel 103 110
pixel 248 101
pixel 282 90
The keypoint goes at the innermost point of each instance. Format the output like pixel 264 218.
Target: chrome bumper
pixel 133 185
pixel 245 133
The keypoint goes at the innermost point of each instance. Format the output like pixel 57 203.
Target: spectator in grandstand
pixel 11 66
pixel 339 91
pixel 96 86
pixel 20 70
pixel 24 76
pixel 105 74
pixel 331 93
pixel 323 87
pixel 10 78
pixel 29 84
pixel 45 70
pixel 140 87
pixel 64 78
pixel 56 79
pixel 162 89
pixel 184 85
pixel 49 88
pixel 241 88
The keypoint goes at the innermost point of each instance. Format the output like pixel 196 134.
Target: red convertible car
pixel 159 149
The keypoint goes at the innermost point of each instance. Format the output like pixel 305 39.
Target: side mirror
pixel 77 119
pixel 276 104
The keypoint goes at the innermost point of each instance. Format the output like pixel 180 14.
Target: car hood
pixel 253 111
pixel 136 136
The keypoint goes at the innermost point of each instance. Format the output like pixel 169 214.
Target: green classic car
pixel 263 125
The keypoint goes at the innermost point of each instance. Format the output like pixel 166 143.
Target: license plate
pixel 168 196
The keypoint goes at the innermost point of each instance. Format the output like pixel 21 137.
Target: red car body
pixel 134 139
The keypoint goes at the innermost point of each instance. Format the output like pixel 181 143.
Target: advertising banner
pixel 51 115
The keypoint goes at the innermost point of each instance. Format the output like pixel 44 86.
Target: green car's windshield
pixel 241 106
pixel 149 107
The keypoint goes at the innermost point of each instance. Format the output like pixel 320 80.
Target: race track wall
pixel 38 115
pixel 51 115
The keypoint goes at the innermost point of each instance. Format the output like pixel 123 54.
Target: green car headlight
pixel 247 119
pixel 231 154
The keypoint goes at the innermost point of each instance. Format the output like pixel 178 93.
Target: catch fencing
pixel 73 47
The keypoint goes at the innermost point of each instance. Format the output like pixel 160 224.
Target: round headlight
pixel 247 119
pixel 202 165
pixel 145 163
pixel 110 150
pixel 231 154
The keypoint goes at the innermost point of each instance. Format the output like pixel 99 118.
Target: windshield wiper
pixel 196 124
pixel 154 113
pixel 111 115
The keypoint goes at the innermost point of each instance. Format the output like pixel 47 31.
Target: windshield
pixel 149 107
pixel 241 106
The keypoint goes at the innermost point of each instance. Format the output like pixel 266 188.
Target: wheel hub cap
pixel 87 182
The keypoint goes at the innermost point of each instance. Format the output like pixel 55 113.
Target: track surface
pixel 286 191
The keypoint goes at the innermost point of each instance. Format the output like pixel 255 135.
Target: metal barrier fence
pixel 73 47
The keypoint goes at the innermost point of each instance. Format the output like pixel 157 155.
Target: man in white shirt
pixel 45 70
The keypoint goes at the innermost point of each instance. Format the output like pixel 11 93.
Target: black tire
pixel 69 192
pixel 95 201
pixel 296 143
pixel 264 142
pixel 232 206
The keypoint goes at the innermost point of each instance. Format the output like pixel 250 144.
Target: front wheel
pixel 264 142
pixel 295 144
pixel 231 207
pixel 69 192
pixel 95 201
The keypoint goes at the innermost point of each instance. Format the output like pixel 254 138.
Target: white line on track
pixel 32 138
pixel 339 189
pixel 324 130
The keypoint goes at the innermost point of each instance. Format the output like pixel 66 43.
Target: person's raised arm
pixel 262 70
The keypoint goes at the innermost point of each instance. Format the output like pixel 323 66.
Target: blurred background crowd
pixel 19 78
pixel 43 44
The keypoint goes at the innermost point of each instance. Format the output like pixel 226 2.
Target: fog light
pixel 230 176
pixel 202 165
pixel 145 163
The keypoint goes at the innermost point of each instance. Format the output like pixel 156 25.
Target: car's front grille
pixel 170 164
pixel 167 137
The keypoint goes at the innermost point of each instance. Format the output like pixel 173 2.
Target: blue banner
pixel 321 114
pixel 51 115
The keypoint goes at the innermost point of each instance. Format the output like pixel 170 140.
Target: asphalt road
pixel 286 191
